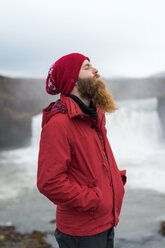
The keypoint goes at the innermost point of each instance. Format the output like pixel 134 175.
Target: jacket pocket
pixel 105 207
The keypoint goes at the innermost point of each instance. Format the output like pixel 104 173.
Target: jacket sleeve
pixel 123 176
pixel 52 179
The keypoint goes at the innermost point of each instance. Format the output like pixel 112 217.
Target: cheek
pixel 85 74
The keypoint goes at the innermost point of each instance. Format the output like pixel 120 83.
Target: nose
pixel 94 70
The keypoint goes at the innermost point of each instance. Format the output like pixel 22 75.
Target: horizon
pixel 158 74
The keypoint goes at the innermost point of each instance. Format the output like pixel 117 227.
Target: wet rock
pixel 162 228
pixel 9 237
pixel 53 221
pixel 161 112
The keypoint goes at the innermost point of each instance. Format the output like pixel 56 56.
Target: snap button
pixel 92 125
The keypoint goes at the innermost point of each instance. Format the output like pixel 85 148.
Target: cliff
pixel 21 99
pixel 137 88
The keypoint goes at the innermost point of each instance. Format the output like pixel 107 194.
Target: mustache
pixel 97 76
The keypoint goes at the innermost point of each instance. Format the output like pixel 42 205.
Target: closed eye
pixel 86 67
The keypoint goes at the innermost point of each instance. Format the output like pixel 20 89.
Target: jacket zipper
pixel 104 142
pixel 109 169
pixel 105 155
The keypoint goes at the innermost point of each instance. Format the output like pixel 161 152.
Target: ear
pixel 75 89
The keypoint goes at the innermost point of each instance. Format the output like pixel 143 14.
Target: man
pixel 76 167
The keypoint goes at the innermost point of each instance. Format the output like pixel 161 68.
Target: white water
pixel 134 133
pixel 19 166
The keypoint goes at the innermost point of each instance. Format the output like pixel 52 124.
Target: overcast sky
pixel 121 37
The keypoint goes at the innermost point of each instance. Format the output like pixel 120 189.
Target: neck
pixel 75 92
pixel 84 100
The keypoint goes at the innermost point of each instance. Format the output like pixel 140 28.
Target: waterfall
pixel 134 132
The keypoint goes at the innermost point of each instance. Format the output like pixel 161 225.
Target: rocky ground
pixel 10 238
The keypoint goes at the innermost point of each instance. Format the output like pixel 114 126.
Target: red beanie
pixel 63 74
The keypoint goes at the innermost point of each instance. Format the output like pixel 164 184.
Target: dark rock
pixel 9 237
pixel 53 221
pixel 161 111
pixel 162 228
pixel 20 100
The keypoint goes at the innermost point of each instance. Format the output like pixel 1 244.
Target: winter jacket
pixel 77 170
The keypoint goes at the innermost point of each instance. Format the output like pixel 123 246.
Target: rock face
pixel 137 88
pixel 21 99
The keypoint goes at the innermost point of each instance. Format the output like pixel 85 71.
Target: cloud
pixel 120 36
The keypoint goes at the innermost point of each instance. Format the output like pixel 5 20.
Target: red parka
pixel 77 170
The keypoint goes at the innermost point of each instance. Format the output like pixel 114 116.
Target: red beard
pixel 93 88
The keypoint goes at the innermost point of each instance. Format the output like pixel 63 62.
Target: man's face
pixel 87 70
pixel 93 88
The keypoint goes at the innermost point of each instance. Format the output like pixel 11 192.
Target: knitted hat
pixel 63 74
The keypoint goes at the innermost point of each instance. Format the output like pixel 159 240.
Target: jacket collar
pixel 74 111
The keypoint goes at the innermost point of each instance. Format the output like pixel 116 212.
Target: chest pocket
pixel 83 128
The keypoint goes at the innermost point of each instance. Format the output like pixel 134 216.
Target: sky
pixel 121 37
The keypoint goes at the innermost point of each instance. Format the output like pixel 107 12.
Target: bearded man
pixel 76 166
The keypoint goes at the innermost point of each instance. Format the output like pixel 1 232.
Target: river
pixel 135 135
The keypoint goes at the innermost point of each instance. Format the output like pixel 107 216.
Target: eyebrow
pixel 87 65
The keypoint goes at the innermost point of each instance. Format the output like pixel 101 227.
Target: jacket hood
pixel 68 104
pixel 52 109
